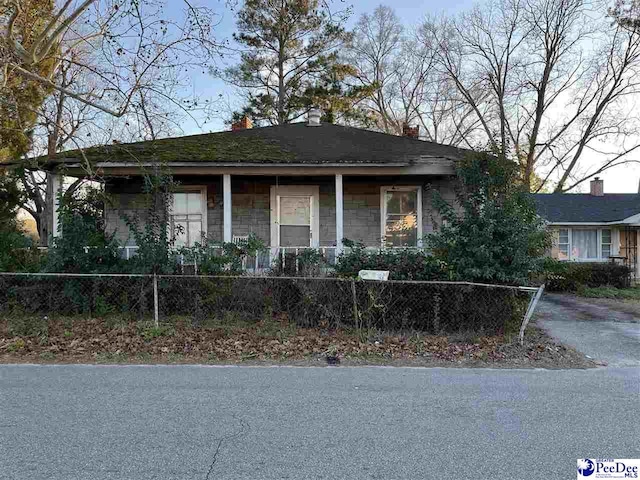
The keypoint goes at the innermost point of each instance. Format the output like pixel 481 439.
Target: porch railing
pixel 290 259
pixel 286 258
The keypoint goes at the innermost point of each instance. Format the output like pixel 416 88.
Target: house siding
pixel 251 209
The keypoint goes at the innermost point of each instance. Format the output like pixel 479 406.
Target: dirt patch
pixel 111 341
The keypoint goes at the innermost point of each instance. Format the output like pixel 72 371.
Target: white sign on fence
pixel 381 275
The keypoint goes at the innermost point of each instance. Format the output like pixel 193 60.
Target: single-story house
pixel 594 226
pixel 294 186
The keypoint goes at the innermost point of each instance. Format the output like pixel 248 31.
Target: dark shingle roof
pixel 293 143
pixel 573 207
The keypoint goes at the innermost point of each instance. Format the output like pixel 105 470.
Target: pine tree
pixel 292 63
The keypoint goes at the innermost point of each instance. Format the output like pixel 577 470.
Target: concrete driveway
pixel 605 330
pixel 195 422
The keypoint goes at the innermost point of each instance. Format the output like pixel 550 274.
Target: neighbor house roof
pixel 586 208
pixel 294 143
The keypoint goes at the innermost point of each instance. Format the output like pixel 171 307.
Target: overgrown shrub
pixel 571 276
pixel 308 262
pixel 17 251
pixel 155 241
pixel 402 264
pixel 72 295
pixel 83 246
pixel 493 234
pixel 215 258
pixel 439 308
pixel 307 302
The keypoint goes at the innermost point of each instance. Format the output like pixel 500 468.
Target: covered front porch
pixel 290 213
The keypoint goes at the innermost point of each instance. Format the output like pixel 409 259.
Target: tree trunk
pixel 45 225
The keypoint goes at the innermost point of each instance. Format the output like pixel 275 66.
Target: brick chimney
pixel 597 187
pixel 413 132
pixel 244 123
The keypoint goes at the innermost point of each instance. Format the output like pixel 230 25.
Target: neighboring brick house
pixel 595 226
pixel 301 185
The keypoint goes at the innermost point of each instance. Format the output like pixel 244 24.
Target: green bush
pixel 571 276
pixel 308 262
pixel 493 233
pixel 151 232
pixel 73 295
pixel 83 246
pixel 307 302
pixel 17 251
pixel 402 264
pixel 312 302
pixel 215 258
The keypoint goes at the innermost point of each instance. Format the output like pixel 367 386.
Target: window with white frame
pixel 584 244
pixel 188 220
pixel 605 243
pixel 563 244
pixel 401 209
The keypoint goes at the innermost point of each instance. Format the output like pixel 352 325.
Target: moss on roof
pixel 293 143
pixel 194 148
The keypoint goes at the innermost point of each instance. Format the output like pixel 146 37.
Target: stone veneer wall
pixel 251 211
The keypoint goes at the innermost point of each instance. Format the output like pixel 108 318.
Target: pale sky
pixel 623 179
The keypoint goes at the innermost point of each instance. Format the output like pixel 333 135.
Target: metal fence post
pixel 155 299
pixel 529 314
pixel 356 315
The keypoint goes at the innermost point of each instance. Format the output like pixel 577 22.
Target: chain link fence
pixel 429 307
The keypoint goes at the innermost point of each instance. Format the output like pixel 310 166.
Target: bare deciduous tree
pixel 555 78
pixel 373 52
pixel 118 72
pixel 407 89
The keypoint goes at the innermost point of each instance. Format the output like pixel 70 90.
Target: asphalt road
pixel 196 422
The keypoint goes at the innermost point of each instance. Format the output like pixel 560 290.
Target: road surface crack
pixel 244 427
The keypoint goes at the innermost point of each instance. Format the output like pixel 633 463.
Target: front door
pixel 294 221
pixel 294 211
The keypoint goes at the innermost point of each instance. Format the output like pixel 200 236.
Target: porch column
pixel 56 181
pixel 339 215
pixel 226 202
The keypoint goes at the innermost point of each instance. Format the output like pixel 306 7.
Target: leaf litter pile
pixel 273 341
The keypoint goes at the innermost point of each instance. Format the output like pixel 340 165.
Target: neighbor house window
pixel 584 244
pixel 189 217
pixel 606 243
pixel 401 209
pixel 563 244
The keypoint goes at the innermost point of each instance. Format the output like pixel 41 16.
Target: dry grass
pixel 231 340
pixel 611 292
